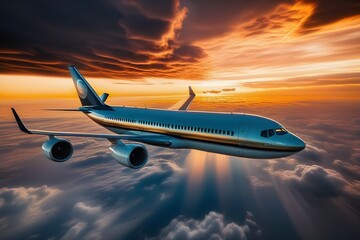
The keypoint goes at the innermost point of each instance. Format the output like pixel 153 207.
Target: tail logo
pixel 82 89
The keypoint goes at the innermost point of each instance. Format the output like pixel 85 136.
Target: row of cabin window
pixel 121 119
pixel 181 127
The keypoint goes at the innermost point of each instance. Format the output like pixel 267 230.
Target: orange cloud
pixel 271 49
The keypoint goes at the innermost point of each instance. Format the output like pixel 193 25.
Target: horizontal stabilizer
pixel 103 97
pixel 82 109
pixel 64 109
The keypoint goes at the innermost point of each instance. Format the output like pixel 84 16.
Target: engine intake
pixel 130 155
pixel 57 149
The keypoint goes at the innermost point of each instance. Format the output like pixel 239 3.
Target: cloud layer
pixel 313 194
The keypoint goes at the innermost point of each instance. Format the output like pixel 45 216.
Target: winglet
pixel 20 123
pixel 191 92
pixel 184 104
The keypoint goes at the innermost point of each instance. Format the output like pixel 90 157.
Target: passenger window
pixel 232 133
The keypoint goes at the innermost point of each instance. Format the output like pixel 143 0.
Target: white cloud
pixel 22 208
pixel 85 222
pixel 213 226
pixel 318 181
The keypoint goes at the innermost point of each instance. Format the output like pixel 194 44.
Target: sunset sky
pixel 295 61
pixel 160 47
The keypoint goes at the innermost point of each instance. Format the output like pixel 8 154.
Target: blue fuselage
pixel 234 134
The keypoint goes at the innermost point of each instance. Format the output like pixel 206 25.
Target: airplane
pixel 235 134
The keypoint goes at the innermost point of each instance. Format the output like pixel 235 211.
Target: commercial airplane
pixel 236 134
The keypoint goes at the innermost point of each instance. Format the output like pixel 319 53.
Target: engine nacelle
pixel 130 155
pixel 57 149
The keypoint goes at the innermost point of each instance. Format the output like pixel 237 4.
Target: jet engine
pixel 130 155
pixel 57 149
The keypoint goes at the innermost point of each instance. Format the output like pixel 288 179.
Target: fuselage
pixel 236 134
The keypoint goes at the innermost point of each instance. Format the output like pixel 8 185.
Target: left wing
pixel 154 139
pixel 184 104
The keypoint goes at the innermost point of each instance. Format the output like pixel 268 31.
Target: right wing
pixel 184 104
pixel 154 139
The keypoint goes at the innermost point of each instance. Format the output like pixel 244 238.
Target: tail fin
pixel 86 93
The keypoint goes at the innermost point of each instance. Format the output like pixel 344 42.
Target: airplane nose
pixel 297 143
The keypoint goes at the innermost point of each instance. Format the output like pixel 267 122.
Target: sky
pixel 297 62
pixel 132 47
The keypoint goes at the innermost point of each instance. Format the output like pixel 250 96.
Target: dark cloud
pixel 162 9
pixel 138 26
pixel 330 11
pixel 213 226
pixel 99 158
pixel 117 39
pixel 350 168
pixel 189 52
pixel 210 19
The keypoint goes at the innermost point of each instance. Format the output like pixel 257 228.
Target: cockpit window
pixel 271 132
pixel 280 131
pixel 264 133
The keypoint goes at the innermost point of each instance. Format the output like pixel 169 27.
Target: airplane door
pixel 243 134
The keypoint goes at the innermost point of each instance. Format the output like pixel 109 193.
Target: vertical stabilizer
pixel 86 93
